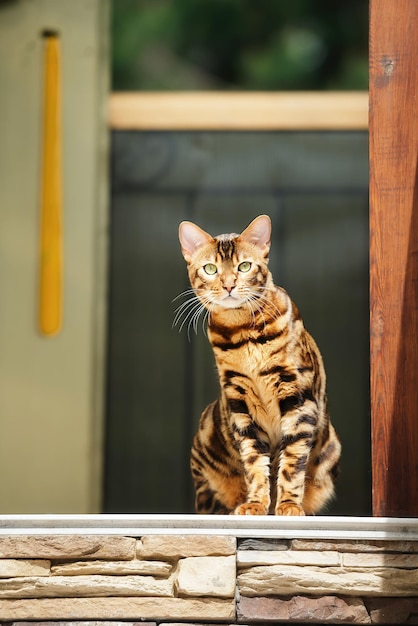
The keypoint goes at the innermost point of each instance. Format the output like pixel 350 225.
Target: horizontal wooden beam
pixel 244 111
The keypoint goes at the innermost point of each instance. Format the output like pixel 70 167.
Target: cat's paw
pixel 250 508
pixel 289 508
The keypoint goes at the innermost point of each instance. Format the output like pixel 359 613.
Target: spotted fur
pixel 266 445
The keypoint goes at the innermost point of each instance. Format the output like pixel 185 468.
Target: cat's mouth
pixel 231 301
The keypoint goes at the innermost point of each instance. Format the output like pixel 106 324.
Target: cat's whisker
pixel 183 294
pixel 185 305
pixel 249 305
pixel 260 290
pixel 268 305
pixel 206 322
pixel 206 319
pixel 253 301
pixel 183 309
pixel 249 302
pixel 190 316
pixel 256 302
pixel 187 313
pixel 194 321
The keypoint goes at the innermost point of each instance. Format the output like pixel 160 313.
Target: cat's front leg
pixel 296 445
pixel 255 457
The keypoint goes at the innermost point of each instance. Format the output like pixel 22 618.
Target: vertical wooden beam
pixel 394 255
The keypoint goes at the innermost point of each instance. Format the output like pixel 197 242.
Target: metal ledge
pixel 320 527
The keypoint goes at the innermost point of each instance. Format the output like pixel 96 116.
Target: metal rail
pixel 320 527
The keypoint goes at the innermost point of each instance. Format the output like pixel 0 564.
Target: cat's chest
pixel 252 369
pixel 246 351
pixel 246 367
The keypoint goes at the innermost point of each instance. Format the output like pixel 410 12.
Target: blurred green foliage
pixel 239 44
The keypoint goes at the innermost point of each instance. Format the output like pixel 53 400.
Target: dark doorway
pixel 314 186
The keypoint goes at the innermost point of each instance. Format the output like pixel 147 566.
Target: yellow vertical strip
pixel 50 278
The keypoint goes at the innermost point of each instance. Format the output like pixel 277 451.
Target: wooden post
pixel 394 255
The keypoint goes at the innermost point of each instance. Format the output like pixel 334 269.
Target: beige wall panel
pixel 50 398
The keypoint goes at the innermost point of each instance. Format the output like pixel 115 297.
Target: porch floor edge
pixel 316 527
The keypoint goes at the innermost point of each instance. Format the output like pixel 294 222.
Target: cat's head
pixel 227 271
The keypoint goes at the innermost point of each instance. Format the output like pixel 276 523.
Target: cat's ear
pixel 258 233
pixel 191 238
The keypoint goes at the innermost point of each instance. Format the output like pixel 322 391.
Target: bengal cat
pixel 266 445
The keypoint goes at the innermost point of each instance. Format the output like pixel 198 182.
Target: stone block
pixel 207 576
pixel 85 586
pixel 277 580
pixel 174 547
pixel 77 623
pixel 355 546
pixel 67 547
pixel 393 610
pixel 202 609
pixel 249 558
pixel 263 544
pixel 380 559
pixel 301 610
pixel 116 568
pixel 13 568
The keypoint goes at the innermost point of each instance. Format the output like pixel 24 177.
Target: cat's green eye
pixel 245 266
pixel 210 268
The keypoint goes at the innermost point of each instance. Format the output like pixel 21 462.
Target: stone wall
pixel 334 582
pixel 173 579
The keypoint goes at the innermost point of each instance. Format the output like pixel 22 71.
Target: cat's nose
pixel 229 288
